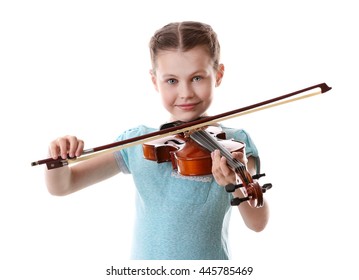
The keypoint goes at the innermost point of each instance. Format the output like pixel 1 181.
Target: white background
pixel 81 67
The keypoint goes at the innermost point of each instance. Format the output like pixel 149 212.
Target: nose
pixel 185 91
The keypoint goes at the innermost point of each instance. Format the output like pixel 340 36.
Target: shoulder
pixel 236 133
pixel 125 156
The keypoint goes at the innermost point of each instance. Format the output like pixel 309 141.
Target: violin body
pixel 194 160
pixel 187 156
pixel 160 150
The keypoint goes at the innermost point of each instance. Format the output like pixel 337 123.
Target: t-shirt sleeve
pixel 251 149
pixel 122 156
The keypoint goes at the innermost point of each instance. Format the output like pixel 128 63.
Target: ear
pixel 219 75
pixel 153 79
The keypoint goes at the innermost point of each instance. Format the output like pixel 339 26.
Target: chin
pixel 189 118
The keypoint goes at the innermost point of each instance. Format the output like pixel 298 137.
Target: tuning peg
pixel 232 187
pixel 266 187
pixel 259 175
pixel 236 201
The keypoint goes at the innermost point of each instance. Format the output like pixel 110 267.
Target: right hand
pixel 66 145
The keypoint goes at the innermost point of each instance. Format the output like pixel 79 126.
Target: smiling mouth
pixel 187 107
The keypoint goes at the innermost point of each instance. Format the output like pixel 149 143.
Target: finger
pixel 220 164
pixel 54 150
pixel 215 155
pixel 216 158
pixel 241 157
pixel 72 145
pixel 80 148
pixel 225 169
pixel 63 144
pixel 222 173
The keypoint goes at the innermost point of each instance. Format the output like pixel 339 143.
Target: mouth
pixel 187 106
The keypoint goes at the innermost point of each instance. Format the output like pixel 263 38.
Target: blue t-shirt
pixel 177 217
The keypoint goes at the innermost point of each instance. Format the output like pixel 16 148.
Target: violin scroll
pixel 253 193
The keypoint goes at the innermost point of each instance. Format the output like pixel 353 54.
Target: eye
pixel 197 78
pixel 171 81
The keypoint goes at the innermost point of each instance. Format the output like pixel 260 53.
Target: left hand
pixel 222 173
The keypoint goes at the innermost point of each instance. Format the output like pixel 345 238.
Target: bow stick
pixel 116 146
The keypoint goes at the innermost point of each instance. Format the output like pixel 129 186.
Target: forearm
pixel 58 181
pixel 255 218
pixel 66 180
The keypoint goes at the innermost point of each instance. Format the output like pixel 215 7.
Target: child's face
pixel 186 81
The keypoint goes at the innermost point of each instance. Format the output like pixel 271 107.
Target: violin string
pixel 207 141
pixel 211 144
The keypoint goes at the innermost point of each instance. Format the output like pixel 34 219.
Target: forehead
pixel 197 57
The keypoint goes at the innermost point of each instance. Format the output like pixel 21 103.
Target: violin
pixel 253 192
pixel 190 154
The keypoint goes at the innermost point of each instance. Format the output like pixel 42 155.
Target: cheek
pixel 206 92
pixel 167 99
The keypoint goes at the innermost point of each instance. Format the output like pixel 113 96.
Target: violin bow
pixel 116 146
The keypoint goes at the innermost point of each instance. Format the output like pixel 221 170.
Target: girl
pixel 177 217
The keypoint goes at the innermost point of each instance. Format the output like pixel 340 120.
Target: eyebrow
pixel 195 73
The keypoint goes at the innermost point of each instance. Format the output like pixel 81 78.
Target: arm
pixel 68 179
pixel 255 218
